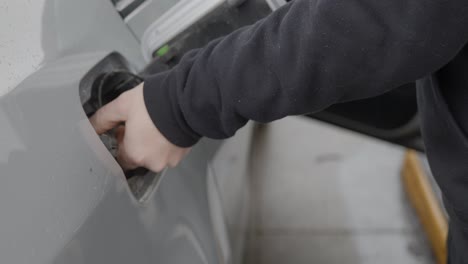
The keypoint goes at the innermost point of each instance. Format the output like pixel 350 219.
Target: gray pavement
pixel 326 195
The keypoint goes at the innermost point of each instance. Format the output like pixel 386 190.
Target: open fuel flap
pixel 105 82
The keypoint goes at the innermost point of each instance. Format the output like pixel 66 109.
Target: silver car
pixel 63 196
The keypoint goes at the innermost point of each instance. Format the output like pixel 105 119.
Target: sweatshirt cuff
pixel 160 96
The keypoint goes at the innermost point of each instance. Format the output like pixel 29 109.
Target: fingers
pixel 124 159
pixel 122 156
pixel 159 160
pixel 109 116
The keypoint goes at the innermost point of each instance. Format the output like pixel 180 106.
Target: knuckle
pixel 136 157
pixel 162 164
pixel 158 167
pixel 139 160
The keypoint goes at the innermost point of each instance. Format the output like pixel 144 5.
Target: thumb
pixel 109 116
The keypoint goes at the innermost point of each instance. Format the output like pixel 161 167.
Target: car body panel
pixel 230 166
pixel 65 199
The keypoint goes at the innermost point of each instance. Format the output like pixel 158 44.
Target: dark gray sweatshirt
pixel 311 54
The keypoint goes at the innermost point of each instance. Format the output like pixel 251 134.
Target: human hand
pixel 140 142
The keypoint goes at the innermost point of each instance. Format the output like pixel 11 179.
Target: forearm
pixel 303 58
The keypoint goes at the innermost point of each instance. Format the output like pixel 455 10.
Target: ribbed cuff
pixel 160 96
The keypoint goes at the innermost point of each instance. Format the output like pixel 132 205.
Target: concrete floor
pixel 327 195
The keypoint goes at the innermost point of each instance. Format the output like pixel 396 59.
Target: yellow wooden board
pixel 428 209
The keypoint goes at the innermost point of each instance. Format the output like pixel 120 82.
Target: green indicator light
pixel 163 50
